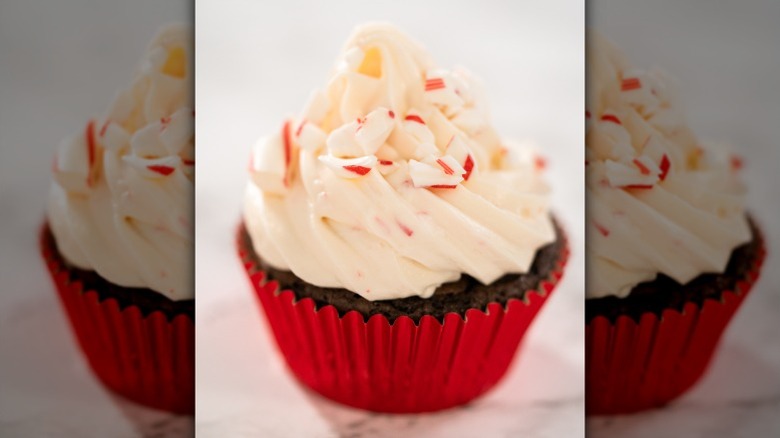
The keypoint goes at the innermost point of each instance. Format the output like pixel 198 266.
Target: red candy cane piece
pixel 434 84
pixel 629 84
pixel 162 170
pixel 665 165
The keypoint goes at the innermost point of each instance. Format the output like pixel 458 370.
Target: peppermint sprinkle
pixel 629 84
pixel 540 163
pixel 736 162
pixel 468 166
pixel 611 118
pixel 604 232
pixel 408 231
pixel 642 168
pixel 161 169
pixel 664 166
pixel 415 118
pixel 447 169
pixel 360 170
pixel 434 84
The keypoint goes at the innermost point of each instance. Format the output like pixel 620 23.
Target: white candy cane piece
pixel 311 137
pixel 459 150
pixel 75 162
pixel 440 91
pixel 177 130
pixel 342 142
pixel 115 137
pixel 316 108
pixel 372 131
pixel 269 164
pixel 635 89
pixel 349 167
pixel 616 141
pixel 646 165
pixel 443 172
pixel 146 141
pixel 153 168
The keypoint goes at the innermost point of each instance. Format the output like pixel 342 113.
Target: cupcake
pixel 118 235
pixel 672 251
pixel 398 247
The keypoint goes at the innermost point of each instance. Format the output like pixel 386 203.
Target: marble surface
pixel 725 59
pixel 256 65
pixel 62 63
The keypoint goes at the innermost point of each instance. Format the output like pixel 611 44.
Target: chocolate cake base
pixel 147 300
pixel 665 293
pixel 458 296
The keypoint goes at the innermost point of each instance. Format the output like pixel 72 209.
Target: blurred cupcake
pixel 671 250
pixel 118 236
pixel 399 248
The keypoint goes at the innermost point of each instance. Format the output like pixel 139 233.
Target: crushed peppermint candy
pixel 374 129
pixel 458 149
pixel 153 168
pixel 349 167
pixel 270 162
pixel 441 172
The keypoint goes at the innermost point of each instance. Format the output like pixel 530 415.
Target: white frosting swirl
pixel 658 202
pixel 392 182
pixel 122 198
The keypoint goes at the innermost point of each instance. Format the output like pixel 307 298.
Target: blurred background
pixel 256 64
pixel 724 56
pixel 62 63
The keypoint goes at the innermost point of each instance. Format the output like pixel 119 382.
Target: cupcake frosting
pixel 121 202
pixel 658 200
pixel 392 182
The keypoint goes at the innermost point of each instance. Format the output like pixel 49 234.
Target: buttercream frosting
pixel 659 201
pixel 392 182
pixel 121 202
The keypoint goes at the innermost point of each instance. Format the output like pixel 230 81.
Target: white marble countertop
pixel 725 58
pixel 62 63
pixel 257 65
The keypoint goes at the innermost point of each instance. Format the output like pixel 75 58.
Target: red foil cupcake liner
pixel 148 359
pixel 632 366
pixel 401 367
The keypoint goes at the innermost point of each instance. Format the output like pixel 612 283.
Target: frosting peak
pixel 658 201
pixel 121 202
pixel 392 182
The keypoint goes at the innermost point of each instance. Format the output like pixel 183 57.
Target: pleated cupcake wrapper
pixel 401 367
pixel 634 366
pixel 148 359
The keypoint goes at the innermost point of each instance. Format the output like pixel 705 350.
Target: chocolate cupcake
pixel 672 250
pixel 399 248
pixel 118 235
